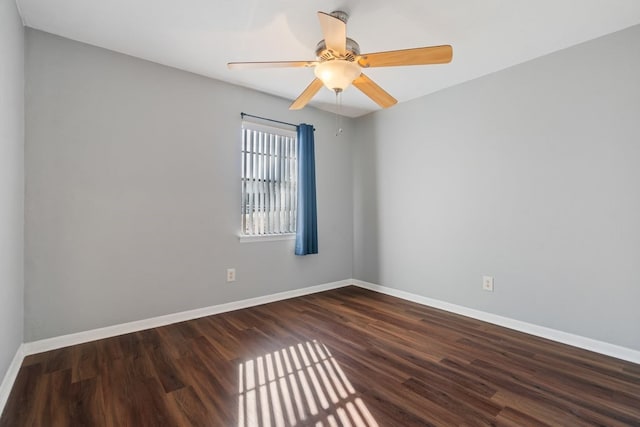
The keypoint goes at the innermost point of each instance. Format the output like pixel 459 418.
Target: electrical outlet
pixel 487 283
pixel 231 274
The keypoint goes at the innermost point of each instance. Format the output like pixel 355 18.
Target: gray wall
pixel 133 192
pixel 531 175
pixel 11 182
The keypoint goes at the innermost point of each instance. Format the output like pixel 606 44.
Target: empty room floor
pixel 343 357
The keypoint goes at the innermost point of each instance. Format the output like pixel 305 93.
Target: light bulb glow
pixel 337 74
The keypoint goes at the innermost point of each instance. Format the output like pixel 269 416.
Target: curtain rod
pixel 270 120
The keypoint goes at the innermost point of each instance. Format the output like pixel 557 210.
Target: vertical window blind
pixel 269 180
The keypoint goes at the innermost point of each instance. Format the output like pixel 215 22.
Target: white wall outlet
pixel 231 274
pixel 487 283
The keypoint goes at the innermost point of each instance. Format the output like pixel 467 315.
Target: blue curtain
pixel 307 221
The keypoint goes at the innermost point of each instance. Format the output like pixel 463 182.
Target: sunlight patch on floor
pixel 299 385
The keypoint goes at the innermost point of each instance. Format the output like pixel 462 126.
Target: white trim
pixel 601 347
pixel 266 237
pixel 39 346
pixel 10 376
pixel 154 322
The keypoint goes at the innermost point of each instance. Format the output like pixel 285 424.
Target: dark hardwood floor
pixel 342 357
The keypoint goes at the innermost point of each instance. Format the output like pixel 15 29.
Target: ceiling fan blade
pixel 417 56
pixel 334 31
pixel 275 64
pixel 373 91
pixel 306 95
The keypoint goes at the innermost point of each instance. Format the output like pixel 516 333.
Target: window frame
pixel 276 146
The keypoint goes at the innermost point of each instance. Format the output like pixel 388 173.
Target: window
pixel 269 181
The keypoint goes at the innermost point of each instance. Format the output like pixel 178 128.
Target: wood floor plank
pixel 84 363
pixel 87 404
pixel 510 417
pixel 189 405
pixel 61 399
pixel 467 408
pixel 219 405
pixel 348 356
pixel 23 396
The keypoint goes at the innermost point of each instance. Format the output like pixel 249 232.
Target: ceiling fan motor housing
pixel 341 15
pixel 324 54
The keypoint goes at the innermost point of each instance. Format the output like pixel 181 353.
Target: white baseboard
pixel 10 376
pixel 110 331
pixel 125 328
pixel 154 322
pixel 529 328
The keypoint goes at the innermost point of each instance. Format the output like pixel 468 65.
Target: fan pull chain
pixel 339 112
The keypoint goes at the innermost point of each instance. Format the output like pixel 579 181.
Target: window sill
pixel 266 238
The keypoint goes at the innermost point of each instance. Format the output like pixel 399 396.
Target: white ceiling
pixel 201 36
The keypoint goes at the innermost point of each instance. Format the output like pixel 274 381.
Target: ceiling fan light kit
pixel 337 74
pixel 339 63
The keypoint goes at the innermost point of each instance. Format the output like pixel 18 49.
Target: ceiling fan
pixel 339 62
